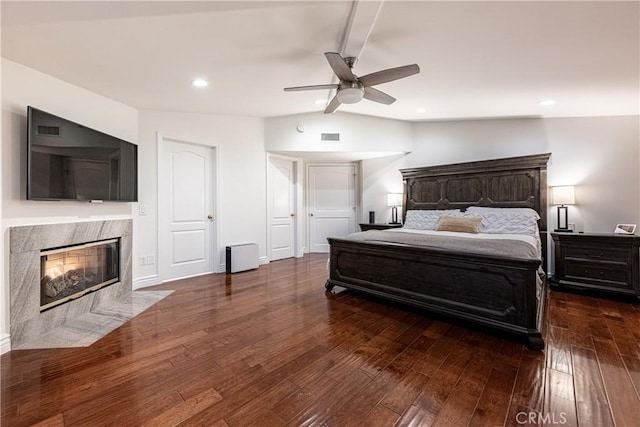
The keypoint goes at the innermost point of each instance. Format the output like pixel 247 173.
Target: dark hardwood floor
pixel 268 347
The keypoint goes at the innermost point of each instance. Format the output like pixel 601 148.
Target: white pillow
pixel 505 211
pixel 506 220
pixel 427 219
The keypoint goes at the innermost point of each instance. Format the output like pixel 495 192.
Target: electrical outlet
pixel 143 260
pixel 150 260
pixel 142 209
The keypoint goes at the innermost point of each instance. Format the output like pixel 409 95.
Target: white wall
pixel 445 142
pixel 242 179
pixel 600 157
pixel 357 133
pixel 5 343
pixel 380 176
pixel 22 86
pixel 597 154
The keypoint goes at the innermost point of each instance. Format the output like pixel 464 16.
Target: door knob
pixel 292 215
pixel 310 214
pixel 210 218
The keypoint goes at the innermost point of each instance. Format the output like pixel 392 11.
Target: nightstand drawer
pixel 598 274
pixel 594 253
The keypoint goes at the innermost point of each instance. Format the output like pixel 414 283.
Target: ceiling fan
pixel 351 88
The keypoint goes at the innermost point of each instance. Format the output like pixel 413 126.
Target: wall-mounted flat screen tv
pixel 68 161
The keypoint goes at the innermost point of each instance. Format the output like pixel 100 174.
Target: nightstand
pixel 365 227
pixel 604 262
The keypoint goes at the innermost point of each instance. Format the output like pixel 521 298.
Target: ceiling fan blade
pixel 340 67
pixel 389 75
pixel 378 96
pixel 332 105
pixel 313 87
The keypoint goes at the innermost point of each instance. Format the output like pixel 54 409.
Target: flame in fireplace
pixel 55 271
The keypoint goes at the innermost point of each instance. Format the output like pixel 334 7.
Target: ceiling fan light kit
pixel 352 89
pixel 350 95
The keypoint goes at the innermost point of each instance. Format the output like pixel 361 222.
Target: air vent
pixel 48 131
pixel 330 137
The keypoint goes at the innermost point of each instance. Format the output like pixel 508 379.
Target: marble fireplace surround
pixel 82 321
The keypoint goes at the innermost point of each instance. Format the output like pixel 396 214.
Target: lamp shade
pixel 563 195
pixel 394 199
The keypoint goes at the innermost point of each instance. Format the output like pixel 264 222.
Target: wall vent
pixel 330 137
pixel 48 130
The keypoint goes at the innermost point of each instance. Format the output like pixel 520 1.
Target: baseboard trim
pixel 5 343
pixel 143 282
pixel 187 277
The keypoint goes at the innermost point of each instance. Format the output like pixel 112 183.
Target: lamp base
pixel 563 230
pixel 394 215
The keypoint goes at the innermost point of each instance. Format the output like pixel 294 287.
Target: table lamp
pixel 563 195
pixel 394 200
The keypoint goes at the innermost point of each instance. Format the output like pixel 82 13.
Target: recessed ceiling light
pixel 421 110
pixel 547 102
pixel 200 83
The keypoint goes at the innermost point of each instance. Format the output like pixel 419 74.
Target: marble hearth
pixel 82 321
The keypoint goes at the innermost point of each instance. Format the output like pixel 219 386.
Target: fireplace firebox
pixel 69 272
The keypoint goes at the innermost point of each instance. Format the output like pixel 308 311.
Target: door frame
pixel 298 223
pixel 357 197
pixel 162 203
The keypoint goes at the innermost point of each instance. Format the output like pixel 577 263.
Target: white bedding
pixel 532 240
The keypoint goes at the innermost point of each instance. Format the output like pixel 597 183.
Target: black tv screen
pixel 68 161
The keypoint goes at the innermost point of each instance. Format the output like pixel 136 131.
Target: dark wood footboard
pixel 497 292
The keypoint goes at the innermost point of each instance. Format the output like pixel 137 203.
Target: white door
pixel 186 209
pixel 331 192
pixel 282 208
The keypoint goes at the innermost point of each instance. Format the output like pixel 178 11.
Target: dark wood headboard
pixel 514 182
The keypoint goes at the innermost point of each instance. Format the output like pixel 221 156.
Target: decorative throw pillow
pixel 427 219
pixel 459 224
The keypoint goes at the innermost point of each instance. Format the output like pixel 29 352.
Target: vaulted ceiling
pixel 478 59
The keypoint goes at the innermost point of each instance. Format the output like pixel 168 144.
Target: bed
pixel 503 292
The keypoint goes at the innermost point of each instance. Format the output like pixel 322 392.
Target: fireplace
pixel 79 322
pixel 69 272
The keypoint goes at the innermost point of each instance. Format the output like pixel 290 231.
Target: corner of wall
pixel 5 343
